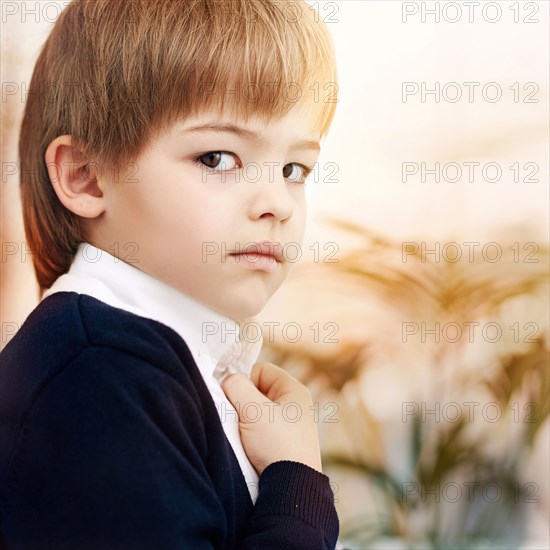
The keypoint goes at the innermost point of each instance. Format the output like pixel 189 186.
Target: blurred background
pixel 417 313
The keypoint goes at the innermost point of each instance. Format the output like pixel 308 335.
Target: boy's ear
pixel 74 178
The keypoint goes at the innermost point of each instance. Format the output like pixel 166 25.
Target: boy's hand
pixel 276 417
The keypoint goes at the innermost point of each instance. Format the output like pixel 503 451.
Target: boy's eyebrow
pixel 246 134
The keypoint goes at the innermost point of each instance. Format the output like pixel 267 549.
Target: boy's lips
pixel 261 256
pixel 264 248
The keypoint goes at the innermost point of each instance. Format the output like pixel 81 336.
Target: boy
pixel 128 402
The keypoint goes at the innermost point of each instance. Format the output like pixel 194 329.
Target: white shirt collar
pixel 213 339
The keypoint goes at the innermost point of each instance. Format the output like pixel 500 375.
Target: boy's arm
pixel 112 454
pixel 294 510
pixel 295 506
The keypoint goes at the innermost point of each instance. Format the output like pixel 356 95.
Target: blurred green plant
pixel 418 286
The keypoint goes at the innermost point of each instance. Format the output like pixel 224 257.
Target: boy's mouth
pixel 263 256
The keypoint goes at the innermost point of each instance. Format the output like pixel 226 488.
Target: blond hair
pixel 114 73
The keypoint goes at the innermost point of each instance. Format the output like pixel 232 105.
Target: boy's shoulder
pixel 87 347
pixel 64 324
pixel 68 328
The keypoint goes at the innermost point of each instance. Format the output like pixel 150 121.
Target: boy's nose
pixel 270 195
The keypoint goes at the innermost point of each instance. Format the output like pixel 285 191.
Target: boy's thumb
pixel 239 389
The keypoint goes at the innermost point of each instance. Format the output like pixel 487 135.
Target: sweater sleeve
pixel 294 510
pixel 112 455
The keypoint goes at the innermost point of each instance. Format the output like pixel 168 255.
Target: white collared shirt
pixel 212 338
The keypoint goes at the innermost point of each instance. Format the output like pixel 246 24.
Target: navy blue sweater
pixel 110 439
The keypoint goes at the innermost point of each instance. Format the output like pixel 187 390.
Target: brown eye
pixel 291 174
pixel 217 160
pixel 211 159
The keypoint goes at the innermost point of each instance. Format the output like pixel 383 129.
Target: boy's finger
pixel 271 380
pixel 239 389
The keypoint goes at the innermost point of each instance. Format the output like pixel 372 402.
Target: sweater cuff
pixel 290 488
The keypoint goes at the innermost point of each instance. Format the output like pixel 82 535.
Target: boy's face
pixel 197 196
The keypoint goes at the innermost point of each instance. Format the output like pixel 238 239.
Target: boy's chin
pixel 243 312
pixel 248 303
